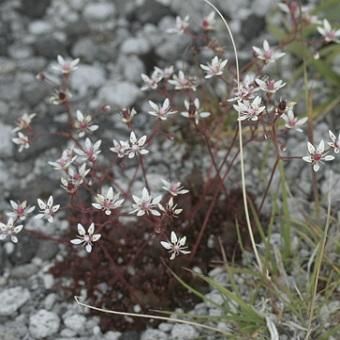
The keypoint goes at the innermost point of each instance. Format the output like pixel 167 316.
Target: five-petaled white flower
pixel 146 204
pixel 161 111
pixel 181 82
pixel 246 90
pixel 20 210
pixel 47 209
pixel 170 208
pixel 10 230
pixel 128 115
pixel 249 110
pixel 86 239
pixel 317 155
pixel 107 202
pixel 215 67
pixel 175 246
pixel 21 140
pixel 24 121
pixel 193 110
pixel 120 148
pixel 174 188
pixel 151 83
pixel 90 151
pixel 270 85
pixel 268 55
pixel 293 122
pixel 66 67
pixel 66 159
pixel 136 146
pixel 75 178
pixel 209 22
pixel 181 25
pixel 329 34
pixel 335 142
pixel 84 124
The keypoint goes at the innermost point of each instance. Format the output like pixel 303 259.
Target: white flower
pixel 329 34
pixel 170 208
pixel 249 110
pixel 293 8
pixel 75 178
pixel 335 142
pixel 246 90
pixel 174 188
pixel 151 83
pixel 21 140
pixel 193 110
pixel 181 25
pixel 84 124
pixel 90 151
pixel 136 146
pixel 146 204
pixel 66 67
pixel 209 22
pixel 181 82
pixel 120 148
pixel 293 122
pixel 128 115
pixel 269 85
pixel 24 121
pixel 20 210
pixel 60 97
pixel 86 239
pixel 64 161
pixel 47 209
pixel 107 202
pixel 268 55
pixel 317 155
pixel 167 72
pixel 10 230
pixel 175 246
pixel 161 111
pixel 215 67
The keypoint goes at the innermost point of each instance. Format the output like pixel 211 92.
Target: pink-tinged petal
pixel 142 141
pixel 133 138
pixel 109 194
pixel 307 159
pixel 329 158
pixel 14 239
pixel 39 216
pixel 50 201
pixel 172 257
pixel 14 205
pixel 96 205
pixel 41 204
pixel 55 208
pixel 155 212
pixel 182 241
pixel 321 147
pixel 76 241
pixel 316 167
pixel 18 228
pixel 61 60
pixel 107 212
pixel 185 252
pixel 88 248
pixel 311 148
pixel 50 219
pixel 166 245
pixel 266 46
pixel 145 194
pixel 141 213
pixel 96 237
pixel 332 136
pixel 81 230
pixel 90 230
pixel 173 237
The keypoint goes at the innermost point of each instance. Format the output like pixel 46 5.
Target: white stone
pixel 135 46
pixel 183 332
pixel 48 281
pixel 132 68
pixel 44 324
pixel 39 27
pixel 99 11
pixel 75 322
pixel 112 335
pixel 119 94
pixel 153 334
pixel 12 299
pixel 6 144
pixel 86 77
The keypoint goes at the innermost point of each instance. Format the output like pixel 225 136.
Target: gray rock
pixel 6 144
pixel 24 271
pixel 136 45
pixel 50 301
pixel 12 299
pixel 75 322
pixel 34 65
pixel 47 250
pixel 153 334
pixel 183 332
pixel 39 27
pixel 119 94
pixel 34 8
pixel 43 324
pixel 3 108
pixel 25 250
pixel 151 11
pixel 112 335
pixel 99 11
pixel 132 68
pixel 86 49
pixel 130 335
pixel 7 66
pixel 34 93
pixel 49 47
pixel 19 51
pixel 87 77
pixel 252 27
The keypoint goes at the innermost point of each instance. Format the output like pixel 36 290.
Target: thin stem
pixel 141 162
